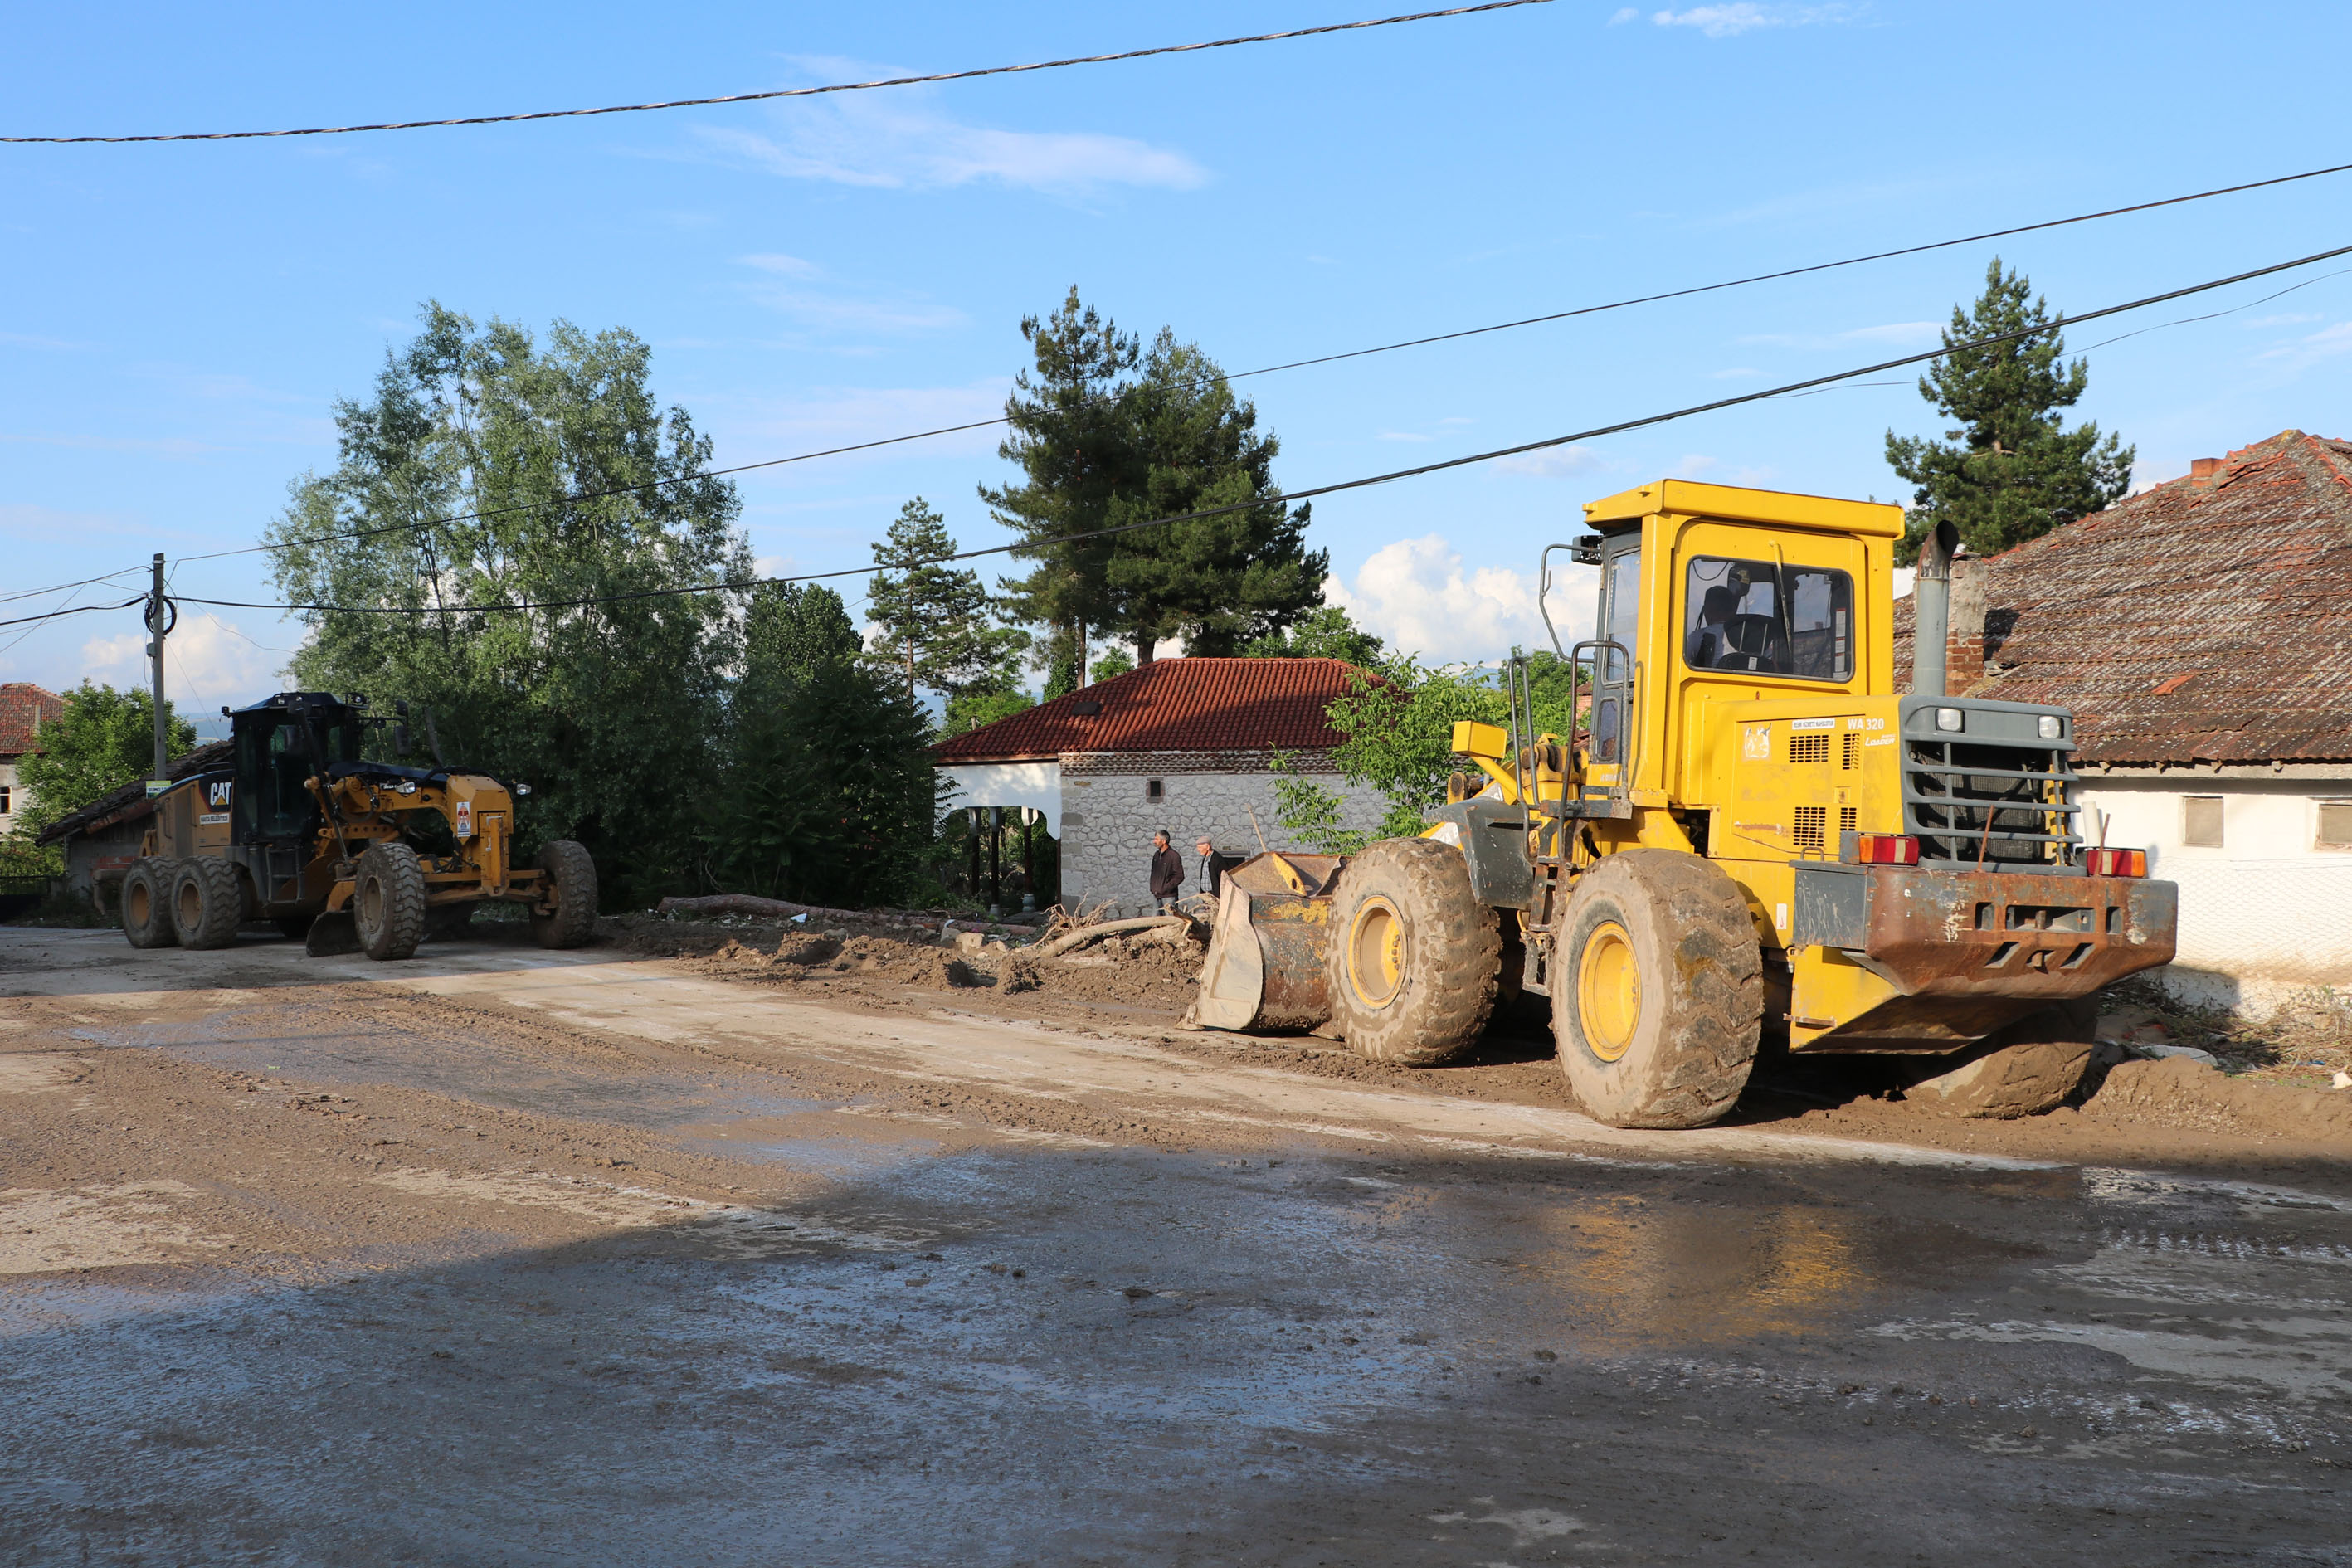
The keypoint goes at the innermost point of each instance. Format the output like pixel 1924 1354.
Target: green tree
pixel 1327 633
pixel 2010 470
pixel 1215 581
pixel 101 739
pixel 491 470
pixel 827 793
pixel 1109 434
pixel 935 620
pixel 1069 435
pixel 1111 664
pixel 968 711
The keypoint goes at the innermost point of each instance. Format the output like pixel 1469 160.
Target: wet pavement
pixel 1292 1350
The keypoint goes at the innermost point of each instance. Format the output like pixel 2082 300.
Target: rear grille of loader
pixel 2003 806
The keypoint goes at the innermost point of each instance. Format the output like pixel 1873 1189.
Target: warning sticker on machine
pixel 464 818
pixel 211 819
pixel 1812 723
pixel 1756 743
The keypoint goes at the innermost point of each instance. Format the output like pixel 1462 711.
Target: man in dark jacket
pixel 1167 872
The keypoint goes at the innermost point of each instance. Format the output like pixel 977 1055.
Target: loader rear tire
pixel 571 873
pixel 1657 994
pixel 147 903
pixel 2027 1069
pixel 387 904
pixel 207 903
pixel 1414 959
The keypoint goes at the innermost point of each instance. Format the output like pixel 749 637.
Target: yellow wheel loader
pixel 352 856
pixel 1750 841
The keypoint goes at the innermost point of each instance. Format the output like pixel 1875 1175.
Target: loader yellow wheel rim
pixel 1609 992
pixel 138 904
pixel 190 901
pixel 1375 952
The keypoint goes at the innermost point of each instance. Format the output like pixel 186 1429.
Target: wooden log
pixel 1085 934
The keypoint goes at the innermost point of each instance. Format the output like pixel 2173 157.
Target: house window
pixel 5 807
pixel 1152 790
pixel 2335 824
pixel 2201 821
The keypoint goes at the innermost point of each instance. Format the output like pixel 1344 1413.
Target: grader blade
pixel 331 936
pixel 1264 964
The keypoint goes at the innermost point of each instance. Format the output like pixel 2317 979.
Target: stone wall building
pixel 2200 633
pixel 1187 744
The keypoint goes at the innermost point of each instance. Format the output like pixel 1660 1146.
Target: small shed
pixel 1187 744
pixel 2198 631
pixel 102 839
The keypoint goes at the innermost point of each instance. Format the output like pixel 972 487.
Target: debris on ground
pixel 2305 1041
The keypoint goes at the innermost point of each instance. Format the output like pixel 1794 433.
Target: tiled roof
pixel 23 705
pixel 128 802
pixel 1172 705
pixel 2207 619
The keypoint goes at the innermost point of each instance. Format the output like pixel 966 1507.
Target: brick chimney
pixel 2204 468
pixel 1963 645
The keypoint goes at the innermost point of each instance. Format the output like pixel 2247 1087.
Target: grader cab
pixel 349 854
pixel 1748 838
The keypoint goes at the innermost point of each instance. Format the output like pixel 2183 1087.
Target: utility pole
pixel 159 627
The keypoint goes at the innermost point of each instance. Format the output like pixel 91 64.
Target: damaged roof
pixel 2207 619
pixel 1173 705
pixel 128 802
pixel 24 707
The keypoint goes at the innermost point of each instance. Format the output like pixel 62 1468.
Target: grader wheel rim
pixel 189 903
pixel 370 902
pixel 138 904
pixel 1375 952
pixel 1609 992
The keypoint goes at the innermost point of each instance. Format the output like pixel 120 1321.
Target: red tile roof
pixel 2206 619
pixel 1173 705
pixel 22 705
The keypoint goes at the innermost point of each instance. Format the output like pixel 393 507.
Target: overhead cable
pixel 573 497
pixel 1548 443
pixel 802 91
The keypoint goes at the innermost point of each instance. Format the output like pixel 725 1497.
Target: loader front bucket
pixel 331 936
pixel 1265 964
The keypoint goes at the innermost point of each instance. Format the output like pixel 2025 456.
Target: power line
pixel 1303 363
pixel 800 91
pixel 61 587
pixel 1545 443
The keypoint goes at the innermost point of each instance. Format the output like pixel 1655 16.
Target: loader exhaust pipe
pixel 1931 598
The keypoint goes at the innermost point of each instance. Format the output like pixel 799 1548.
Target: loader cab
pixel 1713 594
pixel 279 745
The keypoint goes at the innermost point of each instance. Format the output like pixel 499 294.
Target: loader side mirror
pixel 400 739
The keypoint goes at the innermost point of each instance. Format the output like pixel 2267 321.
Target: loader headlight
pixel 2052 727
pixel 408 786
pixel 1949 718
pixel 523 789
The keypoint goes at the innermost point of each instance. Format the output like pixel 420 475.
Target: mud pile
pixel 2180 1092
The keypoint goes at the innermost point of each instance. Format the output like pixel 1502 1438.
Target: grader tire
pixel 387 904
pixel 1415 960
pixel 147 904
pixel 2027 1069
pixel 1658 990
pixel 570 870
pixel 207 903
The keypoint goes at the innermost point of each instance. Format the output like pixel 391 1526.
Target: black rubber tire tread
pixel 1452 955
pixel 1702 972
pixel 219 900
pixel 2027 1069
pixel 573 870
pixel 388 903
pixel 153 879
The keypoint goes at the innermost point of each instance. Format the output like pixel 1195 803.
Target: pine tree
pixel 2011 471
pixel 936 627
pixel 1328 633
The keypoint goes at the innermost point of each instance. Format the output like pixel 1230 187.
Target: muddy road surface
pixel 514 1257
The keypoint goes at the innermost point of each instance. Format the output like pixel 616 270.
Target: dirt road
pixel 507 1257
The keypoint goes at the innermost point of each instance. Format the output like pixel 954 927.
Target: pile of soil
pixel 2179 1092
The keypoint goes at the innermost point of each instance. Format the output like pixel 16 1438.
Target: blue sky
pixel 177 320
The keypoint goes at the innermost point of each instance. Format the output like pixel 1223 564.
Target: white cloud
pixel 1726 21
pixel 2328 342
pixel 788 266
pixel 1416 594
pixel 2294 321
pixel 893 143
pixel 1553 462
pixel 207 662
pixel 1624 16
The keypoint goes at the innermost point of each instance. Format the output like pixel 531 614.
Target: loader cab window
pixel 1613 674
pixel 273 764
pixel 1762 617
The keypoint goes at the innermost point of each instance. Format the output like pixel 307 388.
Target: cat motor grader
pixel 1751 839
pixel 352 855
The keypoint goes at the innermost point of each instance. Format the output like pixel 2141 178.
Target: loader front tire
pixel 207 903
pixel 387 904
pixel 1414 959
pixel 570 876
pixel 147 903
pixel 1657 994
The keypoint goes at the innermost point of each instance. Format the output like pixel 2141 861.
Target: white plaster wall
pixel 1037 786
pixel 1109 820
pixel 16 799
pixel 2265 917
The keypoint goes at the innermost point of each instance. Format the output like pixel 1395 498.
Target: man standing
pixel 1167 872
